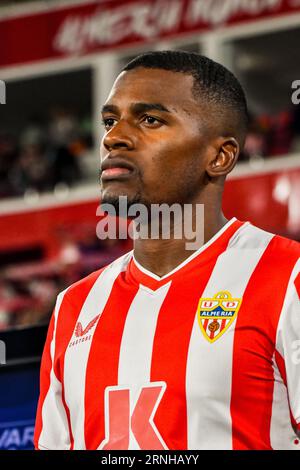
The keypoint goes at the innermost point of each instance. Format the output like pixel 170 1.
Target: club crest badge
pixel 215 315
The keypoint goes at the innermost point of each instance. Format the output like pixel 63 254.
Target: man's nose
pixel 120 136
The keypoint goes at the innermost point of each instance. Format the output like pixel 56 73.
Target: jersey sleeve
pixel 51 426
pixel 288 346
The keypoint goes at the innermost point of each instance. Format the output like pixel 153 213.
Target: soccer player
pixel 168 348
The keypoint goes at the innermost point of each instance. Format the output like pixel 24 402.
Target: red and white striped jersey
pixel 205 357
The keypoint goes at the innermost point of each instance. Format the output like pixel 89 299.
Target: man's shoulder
pixel 285 246
pixel 251 236
pixel 82 287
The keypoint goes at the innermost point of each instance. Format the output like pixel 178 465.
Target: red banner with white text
pixel 100 25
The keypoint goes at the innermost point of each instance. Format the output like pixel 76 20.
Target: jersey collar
pixel 211 249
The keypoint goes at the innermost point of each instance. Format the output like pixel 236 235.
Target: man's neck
pixel 161 256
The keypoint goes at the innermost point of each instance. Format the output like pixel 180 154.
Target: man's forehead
pixel 143 84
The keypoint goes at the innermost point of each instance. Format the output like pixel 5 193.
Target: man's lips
pixel 114 173
pixel 113 168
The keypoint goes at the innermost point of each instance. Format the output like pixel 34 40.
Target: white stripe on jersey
pixel 76 360
pixel 206 365
pixel 53 411
pixel 281 431
pixel 288 341
pixel 137 342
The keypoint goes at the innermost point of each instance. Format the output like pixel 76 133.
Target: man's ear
pixel 225 156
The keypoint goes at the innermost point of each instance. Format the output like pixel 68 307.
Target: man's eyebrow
pixel 138 108
pixel 109 108
pixel 135 108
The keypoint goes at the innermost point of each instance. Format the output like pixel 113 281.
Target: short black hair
pixel 212 81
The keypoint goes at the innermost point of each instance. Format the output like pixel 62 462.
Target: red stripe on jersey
pixel 254 344
pixel 297 284
pixel 68 417
pixel 46 366
pixel 102 367
pixel 79 292
pixel 171 342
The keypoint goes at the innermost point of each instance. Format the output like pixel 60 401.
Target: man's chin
pixel 120 202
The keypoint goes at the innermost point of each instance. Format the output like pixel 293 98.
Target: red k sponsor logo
pixel 129 417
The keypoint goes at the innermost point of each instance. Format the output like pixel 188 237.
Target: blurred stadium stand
pixel 59 61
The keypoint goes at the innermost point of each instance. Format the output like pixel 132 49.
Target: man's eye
pixel 151 120
pixel 107 123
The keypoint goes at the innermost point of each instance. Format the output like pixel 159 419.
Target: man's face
pixel 155 145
